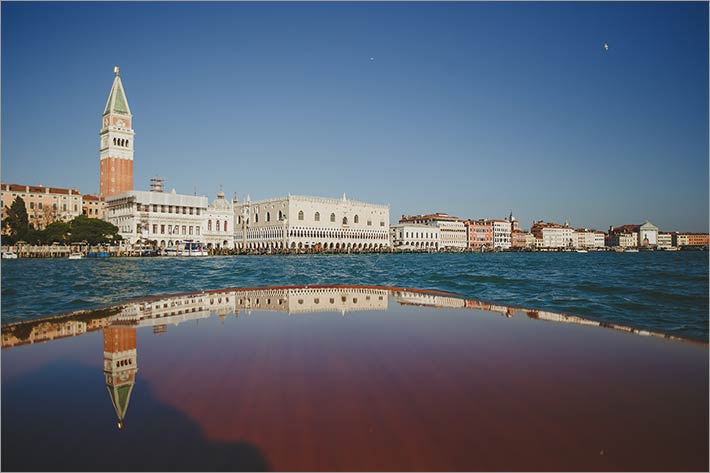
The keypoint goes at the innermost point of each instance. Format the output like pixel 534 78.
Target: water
pixel 663 292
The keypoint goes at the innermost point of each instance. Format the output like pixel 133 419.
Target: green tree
pixel 16 222
pixel 93 230
pixel 55 232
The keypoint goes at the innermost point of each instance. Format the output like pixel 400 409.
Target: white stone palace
pixel 302 222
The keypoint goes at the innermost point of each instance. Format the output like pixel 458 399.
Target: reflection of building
pixel 44 205
pixel 295 300
pixel 43 330
pixel 302 222
pixel 428 299
pixel 116 138
pixel 120 366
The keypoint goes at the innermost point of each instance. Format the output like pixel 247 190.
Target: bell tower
pixel 120 366
pixel 116 137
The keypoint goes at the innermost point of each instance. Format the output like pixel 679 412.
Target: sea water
pixel 660 291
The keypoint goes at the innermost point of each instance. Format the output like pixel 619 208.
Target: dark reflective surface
pixel 346 378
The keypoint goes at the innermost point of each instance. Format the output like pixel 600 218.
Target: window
pixel 369 223
pixel 317 217
pixel 32 205
pixel 184 229
pixel 40 205
pixel 225 225
pixel 190 229
pixel 155 228
pixel 162 229
pixel 197 230
pixel 382 223
pixel 356 219
pixel 281 215
pixel 64 207
pixel 268 216
pixel 256 218
pixel 345 220
pixel 209 225
pixel 75 208
pixel 300 214
pixel 54 206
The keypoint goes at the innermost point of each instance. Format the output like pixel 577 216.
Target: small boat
pixel 187 248
pixel 9 255
pixel 632 250
pixel 76 256
pixel 582 251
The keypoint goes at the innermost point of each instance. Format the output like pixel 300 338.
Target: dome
pixel 221 203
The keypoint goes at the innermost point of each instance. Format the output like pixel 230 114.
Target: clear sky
pixel 474 109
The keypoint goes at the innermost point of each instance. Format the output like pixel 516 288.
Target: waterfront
pixel 664 292
pixel 347 378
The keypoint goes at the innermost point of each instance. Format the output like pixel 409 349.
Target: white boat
pixel 9 255
pixel 76 256
pixel 631 250
pixel 187 248
pixel 582 251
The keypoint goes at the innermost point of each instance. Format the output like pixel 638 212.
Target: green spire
pixel 120 395
pixel 117 102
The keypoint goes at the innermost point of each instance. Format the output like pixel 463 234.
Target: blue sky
pixel 474 109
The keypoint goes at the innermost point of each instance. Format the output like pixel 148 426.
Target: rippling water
pixel 664 292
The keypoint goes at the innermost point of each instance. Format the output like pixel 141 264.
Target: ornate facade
pixel 219 223
pixel 302 222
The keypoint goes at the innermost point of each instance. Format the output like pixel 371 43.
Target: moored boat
pixel 9 255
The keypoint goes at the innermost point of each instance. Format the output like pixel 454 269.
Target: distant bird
pixel 606 47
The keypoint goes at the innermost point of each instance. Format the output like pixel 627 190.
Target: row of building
pixel 167 219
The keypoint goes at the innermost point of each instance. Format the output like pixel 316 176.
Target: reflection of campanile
pixel 120 366
pixel 116 149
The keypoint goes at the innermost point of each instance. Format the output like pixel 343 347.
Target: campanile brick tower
pixel 116 149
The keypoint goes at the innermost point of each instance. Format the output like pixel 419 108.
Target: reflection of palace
pixel 120 366
pixel 428 299
pixel 120 323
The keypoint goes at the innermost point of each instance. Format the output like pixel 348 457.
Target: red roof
pixel 38 189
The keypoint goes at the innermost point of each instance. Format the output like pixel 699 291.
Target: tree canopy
pixel 16 222
pixel 80 229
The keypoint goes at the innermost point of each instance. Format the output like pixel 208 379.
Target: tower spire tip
pixel 115 70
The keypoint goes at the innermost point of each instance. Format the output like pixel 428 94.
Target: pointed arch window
pixel 332 217
pixel 268 216
pixel 345 220
pixel 317 217
pixel 356 219
pixel 300 214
